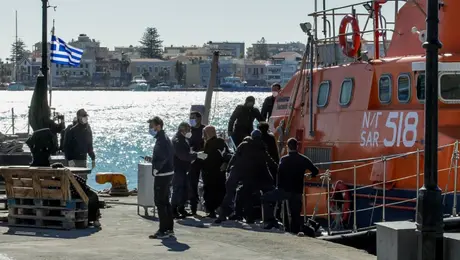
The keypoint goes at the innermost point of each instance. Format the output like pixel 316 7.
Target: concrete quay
pixel 124 235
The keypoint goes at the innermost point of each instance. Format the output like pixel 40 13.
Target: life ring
pixel 340 199
pixel 356 37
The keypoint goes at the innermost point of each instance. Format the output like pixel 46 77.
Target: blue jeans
pixel 180 189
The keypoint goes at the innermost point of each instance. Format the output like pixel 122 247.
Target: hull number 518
pixel 403 129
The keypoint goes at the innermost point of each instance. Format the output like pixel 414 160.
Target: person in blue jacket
pixel 163 171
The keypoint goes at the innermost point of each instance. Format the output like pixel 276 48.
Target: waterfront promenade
pixel 124 235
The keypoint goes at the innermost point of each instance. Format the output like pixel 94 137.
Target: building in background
pixel 233 49
pixel 275 48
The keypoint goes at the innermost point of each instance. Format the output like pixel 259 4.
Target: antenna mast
pixel 16 54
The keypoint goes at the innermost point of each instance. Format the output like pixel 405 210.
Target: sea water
pixel 119 120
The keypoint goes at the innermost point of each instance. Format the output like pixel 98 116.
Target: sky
pixel 179 22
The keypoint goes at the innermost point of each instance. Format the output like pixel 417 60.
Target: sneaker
pixel 170 233
pixel 271 225
pixel 235 218
pixel 220 220
pixel 97 224
pixel 211 215
pixel 159 235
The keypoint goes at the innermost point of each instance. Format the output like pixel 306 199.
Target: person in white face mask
pixel 183 158
pixel 78 143
pixel 269 102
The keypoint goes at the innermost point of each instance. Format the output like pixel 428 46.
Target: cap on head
pixel 250 99
pixel 82 113
pixel 157 121
pixel 256 134
pixel 292 144
pixel 276 87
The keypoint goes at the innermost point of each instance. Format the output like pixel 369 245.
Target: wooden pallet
pixel 41 198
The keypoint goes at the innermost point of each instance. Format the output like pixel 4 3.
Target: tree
pixel 261 50
pixel 180 72
pixel 151 45
pixel 18 51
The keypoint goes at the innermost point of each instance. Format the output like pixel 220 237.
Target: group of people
pixel 234 182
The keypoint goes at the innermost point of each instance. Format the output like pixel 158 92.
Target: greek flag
pixel 64 54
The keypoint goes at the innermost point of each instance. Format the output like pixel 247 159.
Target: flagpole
pixel 51 68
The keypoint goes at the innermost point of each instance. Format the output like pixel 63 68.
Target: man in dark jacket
pixel 197 144
pixel 163 171
pixel 291 172
pixel 241 121
pixel 272 148
pixel 183 158
pixel 269 102
pixel 78 142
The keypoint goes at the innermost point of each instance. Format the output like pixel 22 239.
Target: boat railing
pixel 372 10
pixel 326 178
pixel 12 128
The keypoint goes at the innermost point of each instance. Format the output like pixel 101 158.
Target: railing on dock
pixel 326 177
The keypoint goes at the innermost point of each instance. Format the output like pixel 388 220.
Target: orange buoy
pixel 356 37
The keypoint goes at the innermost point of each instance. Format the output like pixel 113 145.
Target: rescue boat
pixel 362 121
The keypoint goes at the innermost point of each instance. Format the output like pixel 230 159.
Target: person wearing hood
pixel 79 142
pixel 214 167
pixel 183 158
pixel 251 162
pixel 270 142
pixel 241 121
pixel 197 145
pixel 269 102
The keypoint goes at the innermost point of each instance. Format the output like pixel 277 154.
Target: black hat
pixel 81 113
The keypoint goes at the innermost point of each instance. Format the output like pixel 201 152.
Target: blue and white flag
pixel 62 53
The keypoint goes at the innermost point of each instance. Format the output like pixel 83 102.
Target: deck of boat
pixel 124 235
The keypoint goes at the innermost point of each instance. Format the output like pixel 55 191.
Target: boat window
pixel 385 89
pixel 450 86
pixel 323 94
pixel 421 87
pixel 404 88
pixel 346 92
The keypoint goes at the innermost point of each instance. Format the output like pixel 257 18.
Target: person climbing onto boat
pixel 162 170
pixel 291 173
pixel 269 102
pixel 250 163
pixel 183 158
pixel 272 148
pixel 241 121
pixel 78 142
pixel 214 167
pixel 197 144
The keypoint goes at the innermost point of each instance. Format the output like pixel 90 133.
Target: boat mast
pixel 210 89
pixel 51 74
pixel 16 47
pixel 44 68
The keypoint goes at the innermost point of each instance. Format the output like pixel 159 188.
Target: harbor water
pixel 118 120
